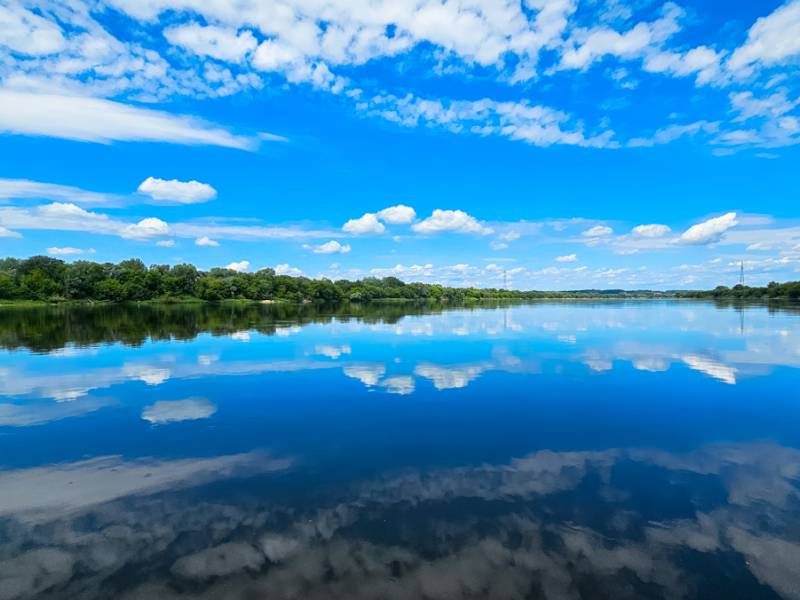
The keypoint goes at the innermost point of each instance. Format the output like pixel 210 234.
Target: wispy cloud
pixel 90 119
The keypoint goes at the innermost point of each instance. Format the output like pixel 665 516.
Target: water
pixel 573 450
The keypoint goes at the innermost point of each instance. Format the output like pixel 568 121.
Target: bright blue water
pixel 576 450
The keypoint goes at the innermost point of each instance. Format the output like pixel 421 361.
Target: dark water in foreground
pixel 550 451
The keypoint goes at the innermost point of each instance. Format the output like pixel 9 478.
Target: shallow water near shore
pixel 552 450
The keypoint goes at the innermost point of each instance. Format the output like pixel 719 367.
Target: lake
pixel 552 451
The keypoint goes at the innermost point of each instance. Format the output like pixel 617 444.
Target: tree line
pixel 789 290
pixel 44 278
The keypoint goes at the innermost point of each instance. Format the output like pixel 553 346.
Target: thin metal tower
pixel 505 280
pixel 741 274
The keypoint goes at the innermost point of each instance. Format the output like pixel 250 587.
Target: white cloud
pixel 25 188
pixel 146 228
pixel 401 385
pixel 702 60
pixel 217 42
pixel 206 242
pixel 242 265
pixel 587 46
pixel 425 270
pixel 59 216
pixel 712 368
pixel 367 223
pixel 68 251
pixel 180 192
pixel 445 377
pixel 651 231
pixel 285 269
pixel 27 33
pixel 749 106
pixel 397 215
pixel 597 231
pixel 5 232
pixel 533 124
pixel 567 258
pixel 368 374
pixel 331 351
pixel 173 411
pixel 710 230
pixel 771 40
pixel 331 247
pixel 456 221
pixel 97 120
pixel 670 133
pixel 510 236
pixel 166 243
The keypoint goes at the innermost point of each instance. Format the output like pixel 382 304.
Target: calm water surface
pixel 548 451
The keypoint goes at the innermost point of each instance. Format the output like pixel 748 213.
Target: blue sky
pixel 557 143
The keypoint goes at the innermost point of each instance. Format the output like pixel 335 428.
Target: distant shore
pixel 45 280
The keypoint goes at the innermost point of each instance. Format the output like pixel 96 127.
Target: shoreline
pixel 14 303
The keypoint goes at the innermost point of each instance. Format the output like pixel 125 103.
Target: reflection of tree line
pixel 47 328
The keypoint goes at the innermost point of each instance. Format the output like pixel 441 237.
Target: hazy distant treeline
pixel 50 279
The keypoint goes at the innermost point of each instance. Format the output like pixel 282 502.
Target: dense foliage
pixel 789 291
pixel 50 279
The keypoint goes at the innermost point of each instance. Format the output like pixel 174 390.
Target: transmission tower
pixel 741 273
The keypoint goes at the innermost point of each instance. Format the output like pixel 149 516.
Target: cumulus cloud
pixel 402 385
pixel 368 374
pixel 597 231
pixel 331 351
pixel 217 42
pixel 651 231
pixel 588 46
pixel 771 40
pixel 446 377
pixel 240 266
pixel 179 192
pixel 206 242
pixel 703 61
pixel 455 221
pixel 365 224
pixel 710 230
pixel 568 258
pixel 397 215
pixel 285 269
pixel 331 247
pixel 26 32
pixel 146 228
pixel 173 411
pixel 87 119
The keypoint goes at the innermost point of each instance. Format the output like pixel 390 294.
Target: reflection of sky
pixel 723 520
pixel 631 360
pixel 472 453
pixel 460 345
